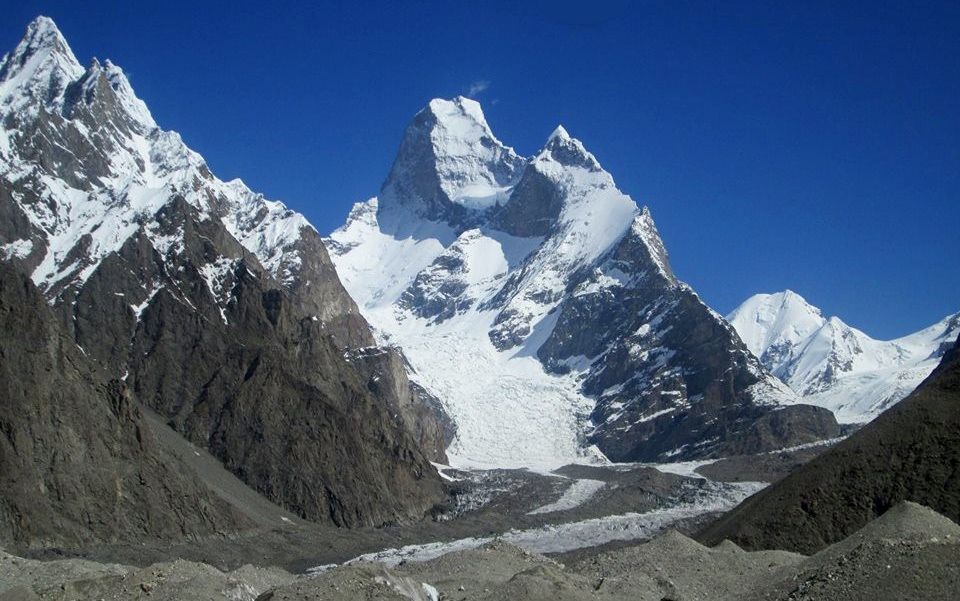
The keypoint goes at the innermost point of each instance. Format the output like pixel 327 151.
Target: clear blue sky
pixel 807 145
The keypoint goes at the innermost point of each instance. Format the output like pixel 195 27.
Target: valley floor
pixel 909 552
pixel 573 513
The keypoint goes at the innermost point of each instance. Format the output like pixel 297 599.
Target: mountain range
pixel 833 365
pixel 484 310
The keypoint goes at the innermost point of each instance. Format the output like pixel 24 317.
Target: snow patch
pixel 560 538
pixel 578 493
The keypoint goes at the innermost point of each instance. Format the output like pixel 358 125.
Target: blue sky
pixel 808 145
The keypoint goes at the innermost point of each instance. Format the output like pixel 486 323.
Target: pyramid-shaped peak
pixel 42 35
pixel 788 300
pixel 559 133
pixel 43 30
pixel 42 64
pixel 562 148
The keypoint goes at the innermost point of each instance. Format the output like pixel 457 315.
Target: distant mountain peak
pixel 766 320
pixel 831 363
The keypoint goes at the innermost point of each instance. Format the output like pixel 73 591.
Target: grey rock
pixel 77 462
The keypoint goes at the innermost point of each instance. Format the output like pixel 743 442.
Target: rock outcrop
pixel 78 464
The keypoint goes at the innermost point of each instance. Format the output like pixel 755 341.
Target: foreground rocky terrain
pixel 572 509
pixel 909 552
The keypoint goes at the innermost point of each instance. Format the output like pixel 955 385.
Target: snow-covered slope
pixel 832 364
pixel 536 300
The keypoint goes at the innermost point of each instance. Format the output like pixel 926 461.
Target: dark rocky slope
pixel 219 309
pixel 911 452
pixel 671 378
pixel 78 464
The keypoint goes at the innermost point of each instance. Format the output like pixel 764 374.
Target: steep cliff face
pixel 219 309
pixel 78 464
pixel 537 302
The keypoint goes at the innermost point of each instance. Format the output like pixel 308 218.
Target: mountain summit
pixel 832 364
pixel 450 164
pixel 537 302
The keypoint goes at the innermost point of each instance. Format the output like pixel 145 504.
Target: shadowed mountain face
pixel 911 452
pixel 219 309
pixel 78 463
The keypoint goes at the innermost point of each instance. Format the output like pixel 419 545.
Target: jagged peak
pixel 646 230
pixel 43 58
pixel 560 132
pixel 42 66
pixel 131 102
pixel 43 33
pixel 568 151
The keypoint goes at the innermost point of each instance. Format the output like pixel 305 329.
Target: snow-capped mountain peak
pixel 566 151
pixel 450 165
pixel 135 107
pixel 38 70
pixel 551 301
pixel 767 321
pixel 107 171
pixel 833 364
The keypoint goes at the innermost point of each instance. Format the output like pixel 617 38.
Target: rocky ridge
pixel 217 308
pixel 78 464
pixel 911 452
